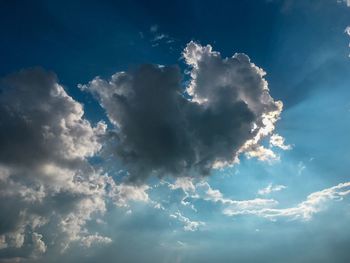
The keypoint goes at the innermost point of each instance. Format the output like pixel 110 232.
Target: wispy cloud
pixel 157 37
pixel 314 203
pixel 215 195
pixel 278 141
pixel 271 188
pixel 189 225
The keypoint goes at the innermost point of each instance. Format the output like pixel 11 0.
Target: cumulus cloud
pixel 48 189
pixel 347 30
pixel 163 128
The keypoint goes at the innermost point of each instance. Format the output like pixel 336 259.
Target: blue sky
pixel 131 132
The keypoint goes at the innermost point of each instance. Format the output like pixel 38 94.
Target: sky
pixel 175 131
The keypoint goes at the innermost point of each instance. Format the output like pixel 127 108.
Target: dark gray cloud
pixel 161 131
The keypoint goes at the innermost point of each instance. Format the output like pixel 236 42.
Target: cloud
pixel 40 122
pixel 267 208
pixel 300 168
pixel 122 194
pixel 39 245
pixel 270 189
pixel 347 2
pixel 278 141
pixel 157 37
pixel 48 189
pixel 188 224
pixel 184 183
pixel 347 30
pixel 187 186
pixel 165 129
pixel 314 203
pixel 87 241
pixel 206 192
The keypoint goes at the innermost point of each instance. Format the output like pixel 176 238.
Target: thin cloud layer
pixel 163 129
pixel 305 210
pixel 268 208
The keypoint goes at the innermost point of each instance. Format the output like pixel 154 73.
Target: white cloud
pixel 347 30
pixel 39 245
pixel 188 224
pixel 16 238
pixel 314 203
pixel 267 208
pixel 252 148
pixel 278 141
pixel 184 183
pixel 3 243
pixel 215 195
pixel 261 153
pixel 88 241
pixel 271 188
pixel 122 194
pixel 159 37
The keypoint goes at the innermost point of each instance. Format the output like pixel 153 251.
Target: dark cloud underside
pixel 161 132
